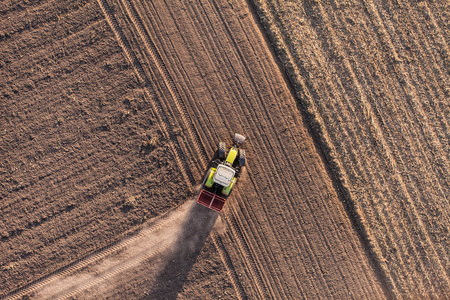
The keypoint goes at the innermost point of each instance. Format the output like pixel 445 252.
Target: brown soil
pixel 82 159
pixel 110 113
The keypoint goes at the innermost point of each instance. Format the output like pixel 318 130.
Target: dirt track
pixel 106 100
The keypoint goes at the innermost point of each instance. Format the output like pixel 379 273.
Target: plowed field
pixel 112 109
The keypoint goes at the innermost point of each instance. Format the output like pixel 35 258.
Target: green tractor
pixel 222 175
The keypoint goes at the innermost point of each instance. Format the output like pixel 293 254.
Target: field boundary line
pixel 316 129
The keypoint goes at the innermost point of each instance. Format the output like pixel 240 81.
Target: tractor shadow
pixel 198 224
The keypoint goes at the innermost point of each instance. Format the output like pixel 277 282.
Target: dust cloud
pixel 171 242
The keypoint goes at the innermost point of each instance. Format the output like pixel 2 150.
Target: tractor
pixel 222 176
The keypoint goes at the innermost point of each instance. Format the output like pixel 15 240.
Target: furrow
pixel 309 91
pixel 121 39
pixel 246 253
pixel 291 165
pixel 412 88
pixel 332 35
pixel 160 29
pixel 286 166
pixel 386 109
pixel 378 129
pixel 414 213
pixel 177 100
pixel 349 134
pixel 228 265
pixel 248 115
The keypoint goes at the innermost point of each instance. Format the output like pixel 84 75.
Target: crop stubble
pixel 374 77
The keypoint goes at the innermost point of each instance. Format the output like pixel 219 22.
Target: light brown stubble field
pixel 374 78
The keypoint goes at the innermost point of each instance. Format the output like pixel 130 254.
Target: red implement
pixel 211 200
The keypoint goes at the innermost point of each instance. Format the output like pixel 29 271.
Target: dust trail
pixel 199 223
pixel 179 232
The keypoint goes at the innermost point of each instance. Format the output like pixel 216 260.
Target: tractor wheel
pixel 241 158
pixel 222 150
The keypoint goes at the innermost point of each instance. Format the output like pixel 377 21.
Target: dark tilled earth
pixel 81 158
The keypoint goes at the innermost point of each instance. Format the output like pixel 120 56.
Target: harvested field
pixel 112 109
pixel 374 79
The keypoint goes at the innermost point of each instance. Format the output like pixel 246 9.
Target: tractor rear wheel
pixel 241 158
pixel 222 151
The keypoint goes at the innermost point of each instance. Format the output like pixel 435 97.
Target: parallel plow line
pixel 150 93
pixel 279 183
pixel 266 277
pixel 193 134
pixel 169 83
pixel 228 265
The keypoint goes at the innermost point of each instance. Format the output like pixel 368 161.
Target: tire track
pixel 229 266
pixel 198 16
pixel 281 184
pixel 264 141
pixel 157 59
pixel 90 282
pixel 169 83
pixel 246 119
pixel 146 231
pixel 247 107
pixel 256 274
pixel 132 13
pixel 121 39
pixel 244 249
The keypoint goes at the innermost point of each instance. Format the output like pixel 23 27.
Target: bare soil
pixel 82 159
pixel 110 113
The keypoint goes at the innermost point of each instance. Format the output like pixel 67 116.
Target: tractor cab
pixel 224 175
